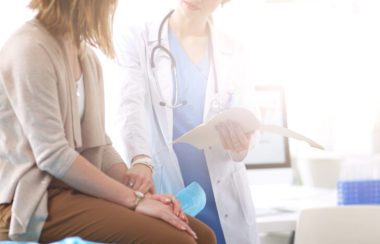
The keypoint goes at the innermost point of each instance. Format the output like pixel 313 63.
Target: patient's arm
pixel 85 177
pixel 117 171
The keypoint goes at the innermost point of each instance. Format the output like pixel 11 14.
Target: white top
pixel 81 96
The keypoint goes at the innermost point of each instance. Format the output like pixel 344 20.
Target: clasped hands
pixel 163 206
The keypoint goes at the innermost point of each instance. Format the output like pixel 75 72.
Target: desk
pixel 278 206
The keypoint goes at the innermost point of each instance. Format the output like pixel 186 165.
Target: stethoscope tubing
pixel 159 46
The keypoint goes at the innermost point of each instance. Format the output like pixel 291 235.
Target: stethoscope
pixel 219 103
pixel 215 105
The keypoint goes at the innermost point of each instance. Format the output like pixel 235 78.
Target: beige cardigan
pixel 40 129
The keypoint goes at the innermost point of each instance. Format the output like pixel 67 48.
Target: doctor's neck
pixel 184 25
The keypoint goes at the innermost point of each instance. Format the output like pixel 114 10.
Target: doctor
pixel 178 72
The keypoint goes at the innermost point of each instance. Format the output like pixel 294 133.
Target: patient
pixel 59 174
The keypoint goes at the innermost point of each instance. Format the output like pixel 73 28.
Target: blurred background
pixel 324 53
pixel 325 56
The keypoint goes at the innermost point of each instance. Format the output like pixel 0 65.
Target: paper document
pixel 206 135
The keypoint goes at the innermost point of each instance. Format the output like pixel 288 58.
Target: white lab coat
pixel 141 120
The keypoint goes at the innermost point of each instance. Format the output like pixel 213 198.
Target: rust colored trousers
pixel 75 214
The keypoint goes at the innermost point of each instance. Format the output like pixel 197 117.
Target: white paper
pixel 206 135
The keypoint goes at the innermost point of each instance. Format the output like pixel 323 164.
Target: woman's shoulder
pixel 30 42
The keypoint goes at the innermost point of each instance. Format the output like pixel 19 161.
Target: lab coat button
pixel 210 148
pixel 226 216
pixel 218 181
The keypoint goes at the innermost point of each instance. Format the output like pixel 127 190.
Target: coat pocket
pixel 245 199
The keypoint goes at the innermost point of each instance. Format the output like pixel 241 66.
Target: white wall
pixel 12 15
pixel 327 55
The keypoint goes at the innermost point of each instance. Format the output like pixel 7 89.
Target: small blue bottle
pixel 192 198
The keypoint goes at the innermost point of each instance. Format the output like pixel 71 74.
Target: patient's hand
pixel 157 209
pixel 139 178
pixel 171 201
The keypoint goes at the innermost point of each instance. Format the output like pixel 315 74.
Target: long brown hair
pixel 86 20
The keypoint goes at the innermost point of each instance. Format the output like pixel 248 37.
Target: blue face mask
pixel 192 199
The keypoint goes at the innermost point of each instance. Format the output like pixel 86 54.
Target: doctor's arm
pixel 131 114
pixel 234 139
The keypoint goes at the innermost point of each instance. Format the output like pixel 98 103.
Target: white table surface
pixel 278 206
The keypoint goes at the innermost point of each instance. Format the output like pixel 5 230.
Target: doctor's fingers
pixel 125 180
pixel 152 189
pixel 224 136
pixel 236 145
pixel 232 140
pixel 133 181
pixel 239 135
pixel 138 183
pixel 146 186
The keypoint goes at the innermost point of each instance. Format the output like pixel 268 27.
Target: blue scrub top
pixel 192 79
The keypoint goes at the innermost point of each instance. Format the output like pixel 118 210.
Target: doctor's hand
pixel 234 139
pixel 139 178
